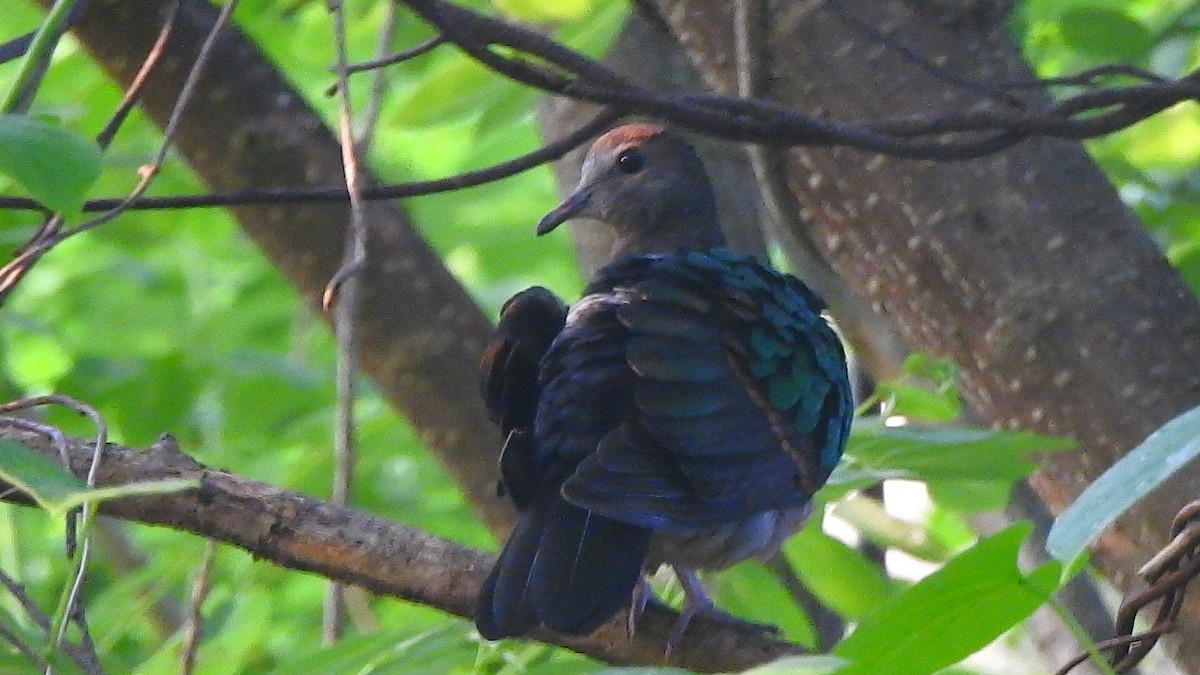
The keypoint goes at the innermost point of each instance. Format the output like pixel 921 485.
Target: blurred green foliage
pixel 177 323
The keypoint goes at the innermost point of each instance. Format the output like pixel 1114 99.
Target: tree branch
pixel 307 534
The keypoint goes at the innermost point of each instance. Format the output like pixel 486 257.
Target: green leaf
pixel 45 482
pixel 1135 475
pixel 457 87
pixel 1108 33
pixel 57 490
pixel 952 613
pixel 535 11
pixel 54 164
pixel 149 487
pixel 927 392
pixel 970 496
pixel 645 670
pixel 749 590
pixel 948 452
pixel 868 516
pixel 808 664
pixel 918 402
pixel 840 576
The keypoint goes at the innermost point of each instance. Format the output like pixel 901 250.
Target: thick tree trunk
pixel 1024 268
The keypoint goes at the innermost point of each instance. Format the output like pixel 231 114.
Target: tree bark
pixel 420 334
pixel 1024 268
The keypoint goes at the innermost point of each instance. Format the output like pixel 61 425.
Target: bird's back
pixel 732 397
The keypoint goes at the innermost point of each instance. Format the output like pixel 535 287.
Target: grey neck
pixel 668 238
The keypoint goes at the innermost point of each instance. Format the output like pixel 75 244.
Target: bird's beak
pixel 568 209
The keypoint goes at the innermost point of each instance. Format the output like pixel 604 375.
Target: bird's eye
pixel 630 160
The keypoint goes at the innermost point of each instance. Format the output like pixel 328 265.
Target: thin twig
pixel 546 153
pixel 399 57
pixel 1168 575
pixel 12 273
pixel 961 135
pixel 18 591
pixel 84 653
pixel 9 275
pixel 384 61
pixel 53 433
pixel 72 608
pixel 562 71
pixel 914 57
pixel 37 59
pixel 379 82
pixel 26 650
pixel 194 627
pixel 329 296
pixel 87 661
pixel 345 311
pixel 133 93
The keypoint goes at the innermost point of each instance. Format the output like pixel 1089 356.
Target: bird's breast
pixel 758 536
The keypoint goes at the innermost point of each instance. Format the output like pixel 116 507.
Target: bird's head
pixel 649 185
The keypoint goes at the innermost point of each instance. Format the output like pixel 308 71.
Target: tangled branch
pixel 997 122
pixel 1167 576
pixel 530 58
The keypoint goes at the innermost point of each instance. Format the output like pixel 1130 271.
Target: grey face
pixel 638 186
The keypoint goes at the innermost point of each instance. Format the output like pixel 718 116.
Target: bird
pixel 683 411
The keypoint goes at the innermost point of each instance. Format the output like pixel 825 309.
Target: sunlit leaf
pixel 54 164
pixel 927 392
pixel 873 522
pixel 543 10
pixel 952 613
pixel 1144 468
pixel 752 592
pixel 57 490
pixel 1110 33
pixel 808 664
pixel 947 451
pixel 45 482
pixel 840 576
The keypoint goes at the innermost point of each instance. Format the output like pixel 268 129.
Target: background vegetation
pixel 175 322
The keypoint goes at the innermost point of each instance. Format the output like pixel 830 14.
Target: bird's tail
pixel 564 567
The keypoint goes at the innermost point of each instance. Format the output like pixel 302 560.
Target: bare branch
pixel 546 153
pixel 354 256
pixel 86 659
pixel 194 628
pixel 399 57
pixel 303 533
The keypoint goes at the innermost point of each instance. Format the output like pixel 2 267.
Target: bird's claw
pixel 643 596
pixel 696 602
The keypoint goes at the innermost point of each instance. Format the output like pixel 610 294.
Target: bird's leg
pixel 643 596
pixel 696 601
